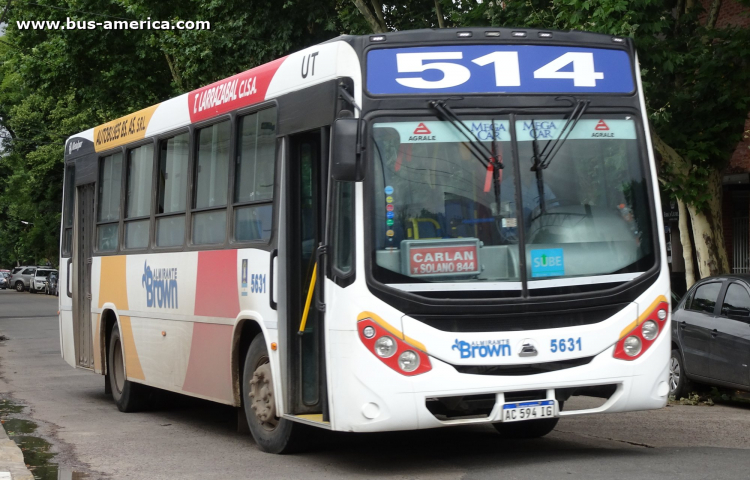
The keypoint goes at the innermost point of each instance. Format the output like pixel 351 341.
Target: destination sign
pixel 498 69
pixel 441 257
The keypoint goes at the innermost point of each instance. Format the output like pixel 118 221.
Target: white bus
pixel 387 232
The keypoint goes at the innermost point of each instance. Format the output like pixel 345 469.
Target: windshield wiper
pixel 542 161
pixel 476 147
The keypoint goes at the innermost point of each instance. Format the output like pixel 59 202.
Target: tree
pixel 54 83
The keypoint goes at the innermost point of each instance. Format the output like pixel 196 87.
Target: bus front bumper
pixel 368 396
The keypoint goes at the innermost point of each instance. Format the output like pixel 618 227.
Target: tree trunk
pixel 687 245
pixel 713 13
pixel 710 250
pixel 370 16
pixel 439 13
pixel 708 232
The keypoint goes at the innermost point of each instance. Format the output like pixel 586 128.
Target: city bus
pixel 397 231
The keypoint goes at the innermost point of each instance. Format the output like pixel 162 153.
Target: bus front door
pixel 306 178
pixel 83 250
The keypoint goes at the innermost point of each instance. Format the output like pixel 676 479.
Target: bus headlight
pixel 650 330
pixel 408 361
pixel 368 332
pixel 385 347
pixel 637 337
pixel 398 352
pixel 632 345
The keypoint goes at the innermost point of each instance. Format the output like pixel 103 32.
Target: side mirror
pixel 346 150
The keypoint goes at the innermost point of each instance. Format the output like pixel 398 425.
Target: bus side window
pixel 69 210
pixel 138 190
pixel 254 176
pixel 108 215
pixel 172 191
pixel 343 228
pixel 210 187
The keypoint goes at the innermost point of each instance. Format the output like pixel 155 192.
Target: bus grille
pixel 520 321
pixel 518 370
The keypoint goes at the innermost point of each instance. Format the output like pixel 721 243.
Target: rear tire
pixel 678 381
pixel 271 433
pixel 128 396
pixel 527 429
pixel 19 287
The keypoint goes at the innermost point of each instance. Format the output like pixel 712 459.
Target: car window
pixel 736 302
pixel 704 299
pixel 28 271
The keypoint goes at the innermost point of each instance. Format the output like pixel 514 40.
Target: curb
pixel 12 465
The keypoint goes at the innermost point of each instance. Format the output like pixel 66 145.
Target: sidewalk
pixel 12 465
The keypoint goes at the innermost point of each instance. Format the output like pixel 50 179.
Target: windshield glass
pixel 443 216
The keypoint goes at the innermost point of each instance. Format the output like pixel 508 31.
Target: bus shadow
pixel 402 453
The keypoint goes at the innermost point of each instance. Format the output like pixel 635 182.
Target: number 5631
pixel 565 344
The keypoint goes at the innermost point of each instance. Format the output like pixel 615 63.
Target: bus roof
pixel 337 57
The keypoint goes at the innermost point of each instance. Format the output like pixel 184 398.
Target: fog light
pixel 408 361
pixel 385 347
pixel 662 314
pixel 368 332
pixel 650 330
pixel 632 346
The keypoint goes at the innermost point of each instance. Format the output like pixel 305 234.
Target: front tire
pixel 527 429
pixel 128 396
pixel 678 381
pixel 271 433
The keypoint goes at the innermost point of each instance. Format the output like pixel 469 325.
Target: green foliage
pixel 54 83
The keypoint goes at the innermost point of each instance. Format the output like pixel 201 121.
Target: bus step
pixel 313 419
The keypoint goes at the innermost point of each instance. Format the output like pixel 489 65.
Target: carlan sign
pixel 161 286
pixel 484 348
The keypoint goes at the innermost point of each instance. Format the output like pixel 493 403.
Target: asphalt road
pixel 187 439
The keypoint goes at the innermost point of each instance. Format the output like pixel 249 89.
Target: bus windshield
pixel 440 216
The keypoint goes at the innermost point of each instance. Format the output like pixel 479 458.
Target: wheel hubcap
pixel 674 374
pixel 261 396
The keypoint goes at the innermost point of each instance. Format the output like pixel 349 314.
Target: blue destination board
pixel 498 69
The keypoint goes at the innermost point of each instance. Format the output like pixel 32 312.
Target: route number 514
pixel 506 69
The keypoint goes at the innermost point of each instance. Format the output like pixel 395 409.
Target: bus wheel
pixel 127 395
pixel 271 433
pixel 528 429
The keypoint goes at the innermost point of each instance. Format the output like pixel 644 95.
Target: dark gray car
pixel 711 335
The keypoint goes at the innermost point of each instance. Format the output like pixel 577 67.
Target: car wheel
pixel 19 286
pixel 678 381
pixel 128 396
pixel 271 433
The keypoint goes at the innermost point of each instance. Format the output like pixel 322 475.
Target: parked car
pixel 40 279
pixel 22 277
pixel 51 286
pixel 711 335
pixel 4 280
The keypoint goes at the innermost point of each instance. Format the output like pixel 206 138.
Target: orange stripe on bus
pixel 113 286
pixel 132 362
pixel 642 317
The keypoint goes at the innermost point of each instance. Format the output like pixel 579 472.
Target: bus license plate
pixel 536 410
